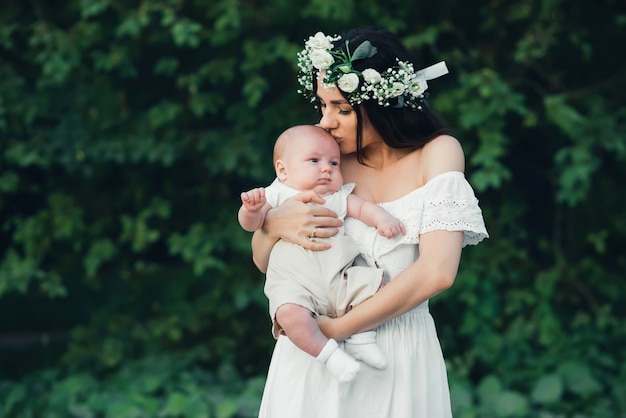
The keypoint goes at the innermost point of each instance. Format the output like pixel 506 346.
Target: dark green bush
pixel 127 131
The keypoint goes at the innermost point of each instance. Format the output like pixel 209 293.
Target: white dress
pixel 414 384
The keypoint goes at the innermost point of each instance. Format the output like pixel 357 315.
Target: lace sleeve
pixel 450 205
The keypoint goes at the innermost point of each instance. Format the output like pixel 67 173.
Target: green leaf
pixel 185 33
pixel 90 8
pixel 175 404
pixel 461 398
pixel 365 50
pixel 17 272
pixel 16 395
pixel 489 389
pixel 548 389
pixel 511 404
pixel 254 90
pixel 100 251
pixel 578 379
pixel 8 182
pixel 227 408
pixel 599 240
pixel 166 66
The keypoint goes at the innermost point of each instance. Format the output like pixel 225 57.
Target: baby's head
pixel 307 157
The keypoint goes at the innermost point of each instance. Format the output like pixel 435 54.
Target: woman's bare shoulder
pixel 442 154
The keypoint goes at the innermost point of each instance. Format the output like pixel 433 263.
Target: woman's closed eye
pixel 341 111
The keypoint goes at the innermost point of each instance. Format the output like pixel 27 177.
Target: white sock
pixel 338 363
pixel 363 347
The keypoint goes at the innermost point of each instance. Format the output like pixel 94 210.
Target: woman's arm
pixel 432 273
pixel 294 221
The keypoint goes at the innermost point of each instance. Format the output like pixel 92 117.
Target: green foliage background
pixel 128 129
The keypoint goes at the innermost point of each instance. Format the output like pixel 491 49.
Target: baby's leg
pixel 302 329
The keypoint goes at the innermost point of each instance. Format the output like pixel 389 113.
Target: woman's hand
pixel 301 224
pixel 331 328
pixel 296 222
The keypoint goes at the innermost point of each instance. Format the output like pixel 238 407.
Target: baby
pixel 301 283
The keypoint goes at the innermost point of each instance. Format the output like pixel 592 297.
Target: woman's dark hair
pixel 400 127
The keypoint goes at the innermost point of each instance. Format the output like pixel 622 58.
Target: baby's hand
pixel 390 227
pixel 254 199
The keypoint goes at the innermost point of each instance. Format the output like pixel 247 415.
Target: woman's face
pixel 338 118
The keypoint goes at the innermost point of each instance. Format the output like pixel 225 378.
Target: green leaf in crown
pixel 365 50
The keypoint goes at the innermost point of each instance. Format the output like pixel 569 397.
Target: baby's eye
pixel 314 160
pixel 334 163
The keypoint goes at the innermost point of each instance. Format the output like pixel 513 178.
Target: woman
pixel 399 154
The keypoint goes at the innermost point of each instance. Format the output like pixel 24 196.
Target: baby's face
pixel 312 163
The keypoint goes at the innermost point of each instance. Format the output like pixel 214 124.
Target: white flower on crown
pixel 321 59
pixel 320 41
pixel 397 88
pixel 417 87
pixel 371 76
pixel 348 82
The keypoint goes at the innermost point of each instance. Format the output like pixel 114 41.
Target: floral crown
pixel 400 83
